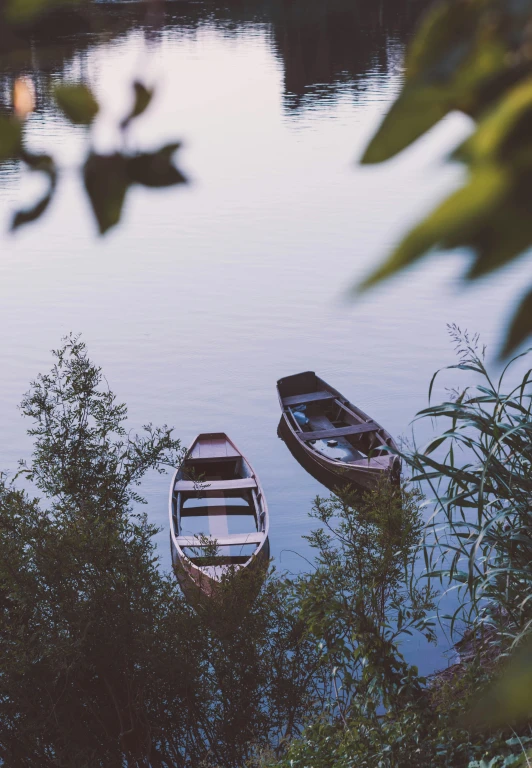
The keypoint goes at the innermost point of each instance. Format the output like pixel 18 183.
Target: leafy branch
pixel 474 57
pixel 107 178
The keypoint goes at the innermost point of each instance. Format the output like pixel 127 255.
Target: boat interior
pixel 215 497
pixel 328 423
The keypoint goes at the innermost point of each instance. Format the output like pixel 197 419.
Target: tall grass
pixel 478 540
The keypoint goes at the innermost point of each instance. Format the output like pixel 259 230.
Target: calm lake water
pixel 204 296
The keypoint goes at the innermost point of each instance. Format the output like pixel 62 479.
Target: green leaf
pixel 433 445
pixel 143 97
pixel 10 138
pixel 413 114
pixel 426 96
pixel 32 213
pixel 107 178
pixel 471 56
pixel 106 182
pixel 504 131
pixel 39 162
pixel 504 232
pixel 77 103
pixel 44 164
pixel 509 699
pixel 443 41
pixel 23 11
pixel 453 223
pixel 520 327
pixel 456 53
pixel 155 169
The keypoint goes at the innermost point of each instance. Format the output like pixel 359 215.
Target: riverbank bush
pixel 103 662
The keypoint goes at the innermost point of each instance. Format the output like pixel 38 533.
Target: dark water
pixel 206 295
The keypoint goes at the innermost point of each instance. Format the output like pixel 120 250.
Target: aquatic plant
pixel 478 540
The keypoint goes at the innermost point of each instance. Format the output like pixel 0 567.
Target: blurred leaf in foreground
pixel 107 178
pixel 10 138
pixel 106 183
pixel 77 102
pixel 520 323
pixel 509 699
pixel 23 11
pixel 155 169
pixel 45 164
pixel 474 57
pixel 143 97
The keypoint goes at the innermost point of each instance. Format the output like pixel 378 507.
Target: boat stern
pixel 297 384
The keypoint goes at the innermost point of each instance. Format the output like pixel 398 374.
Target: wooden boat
pixel 218 515
pixel 341 443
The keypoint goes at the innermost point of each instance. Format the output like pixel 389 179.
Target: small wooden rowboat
pixel 341 442
pixel 218 514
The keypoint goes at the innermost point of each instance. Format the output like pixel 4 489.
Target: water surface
pixel 204 296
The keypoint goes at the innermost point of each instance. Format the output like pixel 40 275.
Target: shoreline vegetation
pixel 105 663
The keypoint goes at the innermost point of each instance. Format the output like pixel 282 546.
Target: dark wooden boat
pixel 341 442
pixel 218 515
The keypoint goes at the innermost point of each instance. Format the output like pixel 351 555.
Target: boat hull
pixel 335 478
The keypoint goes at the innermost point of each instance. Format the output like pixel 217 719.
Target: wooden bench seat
pixel 308 397
pixel 204 510
pixel 215 485
pixel 325 434
pixel 236 539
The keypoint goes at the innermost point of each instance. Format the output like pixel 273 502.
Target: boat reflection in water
pixel 218 520
pixel 335 441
